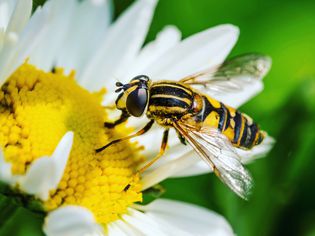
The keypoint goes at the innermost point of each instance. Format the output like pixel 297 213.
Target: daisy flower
pixel 54 67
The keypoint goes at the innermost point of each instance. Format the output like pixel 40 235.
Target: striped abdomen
pixel 238 127
pixel 169 99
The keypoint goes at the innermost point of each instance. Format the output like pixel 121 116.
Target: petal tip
pixel 71 220
pixel 231 28
pixel 45 173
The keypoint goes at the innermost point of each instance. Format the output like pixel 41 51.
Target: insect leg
pixel 162 150
pixel 140 132
pixel 181 138
pixel 123 117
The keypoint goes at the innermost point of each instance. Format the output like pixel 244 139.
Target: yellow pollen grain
pixel 37 109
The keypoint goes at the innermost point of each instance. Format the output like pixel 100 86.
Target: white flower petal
pixel 17 48
pixel 59 13
pixel 177 218
pixel 198 52
pixel 170 168
pixel 165 40
pixel 20 16
pixel 182 161
pixel 9 42
pixel 71 221
pixel 45 173
pixel 153 139
pixel 247 156
pixel 6 9
pixel 121 228
pixel 143 224
pixel 239 97
pixel 120 47
pixel 86 32
pixel 114 229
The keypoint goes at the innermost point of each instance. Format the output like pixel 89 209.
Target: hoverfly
pixel 213 129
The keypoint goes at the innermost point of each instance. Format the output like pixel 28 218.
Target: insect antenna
pixel 119 84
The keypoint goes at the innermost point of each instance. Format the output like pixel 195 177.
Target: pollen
pixel 36 109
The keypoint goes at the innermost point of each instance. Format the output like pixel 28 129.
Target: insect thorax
pixel 168 101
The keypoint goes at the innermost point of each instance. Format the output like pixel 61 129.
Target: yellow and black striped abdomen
pixel 169 99
pixel 239 128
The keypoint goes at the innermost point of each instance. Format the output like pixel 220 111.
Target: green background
pixel 283 202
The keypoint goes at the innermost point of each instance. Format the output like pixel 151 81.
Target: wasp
pixel 213 129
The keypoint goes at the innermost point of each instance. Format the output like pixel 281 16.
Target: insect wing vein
pixel 232 75
pixel 215 149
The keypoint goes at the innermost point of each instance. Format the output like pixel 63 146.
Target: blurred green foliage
pixel 283 199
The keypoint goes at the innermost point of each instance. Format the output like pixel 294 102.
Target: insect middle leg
pixel 161 152
pixel 140 132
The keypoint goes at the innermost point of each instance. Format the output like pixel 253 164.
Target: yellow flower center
pixel 37 109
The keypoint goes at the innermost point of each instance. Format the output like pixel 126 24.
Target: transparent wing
pixel 216 150
pixel 233 74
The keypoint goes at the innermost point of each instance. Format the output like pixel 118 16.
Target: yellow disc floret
pixel 36 110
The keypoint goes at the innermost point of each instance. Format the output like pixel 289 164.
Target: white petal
pixel 8 42
pixel 247 156
pixel 45 173
pixel 17 48
pixel 182 161
pixel 153 139
pixel 239 97
pixel 122 228
pixel 114 229
pixel 177 218
pixel 71 221
pixel 59 13
pixel 198 52
pixel 20 15
pixel 165 40
pixel 120 47
pixel 142 224
pixel 6 9
pixel 2 37
pixel 86 32
pixel 170 168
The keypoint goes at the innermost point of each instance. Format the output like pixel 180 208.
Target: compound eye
pixel 137 101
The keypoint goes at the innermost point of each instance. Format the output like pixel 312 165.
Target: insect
pixel 213 129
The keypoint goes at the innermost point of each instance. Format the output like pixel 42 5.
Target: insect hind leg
pixel 157 157
pixel 161 152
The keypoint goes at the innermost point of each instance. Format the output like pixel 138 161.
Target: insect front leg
pixel 123 117
pixel 140 132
